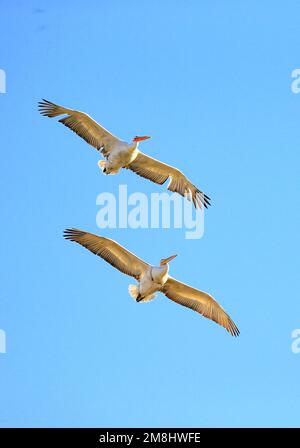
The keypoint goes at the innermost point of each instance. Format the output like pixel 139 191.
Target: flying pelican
pixel 152 279
pixel 120 154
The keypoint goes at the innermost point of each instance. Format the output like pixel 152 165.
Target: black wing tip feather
pixel 45 103
pixel 45 107
pixel 229 326
pixel 201 198
pixel 206 200
pixel 233 329
pixel 71 234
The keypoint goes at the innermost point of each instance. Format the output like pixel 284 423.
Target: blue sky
pixel 210 81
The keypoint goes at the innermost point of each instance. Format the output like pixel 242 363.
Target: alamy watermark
pixel 2 341
pixel 296 341
pixel 295 85
pixel 295 88
pixel 2 81
pixel 138 211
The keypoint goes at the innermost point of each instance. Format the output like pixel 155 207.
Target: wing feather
pixel 159 172
pixel 199 301
pixel 83 125
pixel 110 251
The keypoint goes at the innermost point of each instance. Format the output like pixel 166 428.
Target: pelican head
pixel 139 139
pixel 165 261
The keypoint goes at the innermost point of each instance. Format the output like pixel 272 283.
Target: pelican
pixel 152 279
pixel 120 154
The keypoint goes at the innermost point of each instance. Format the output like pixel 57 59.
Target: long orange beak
pixel 166 260
pixel 139 139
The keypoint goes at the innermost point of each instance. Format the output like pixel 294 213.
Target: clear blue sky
pixel 210 77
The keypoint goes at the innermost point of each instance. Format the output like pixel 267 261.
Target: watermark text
pixel 296 341
pixel 138 211
pixel 2 81
pixel 295 85
pixel 2 341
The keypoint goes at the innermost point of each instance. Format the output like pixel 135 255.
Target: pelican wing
pixel 199 301
pixel 110 251
pixel 83 125
pixel 159 172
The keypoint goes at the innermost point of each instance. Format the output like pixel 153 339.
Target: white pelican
pixel 152 279
pixel 120 154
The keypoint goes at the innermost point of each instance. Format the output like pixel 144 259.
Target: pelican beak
pixel 139 139
pixel 167 260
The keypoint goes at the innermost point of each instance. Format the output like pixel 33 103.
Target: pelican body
pixel 151 282
pixel 120 154
pixel 152 279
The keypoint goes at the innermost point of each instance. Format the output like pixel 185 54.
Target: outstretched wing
pixel 110 251
pixel 199 301
pixel 159 172
pixel 83 125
